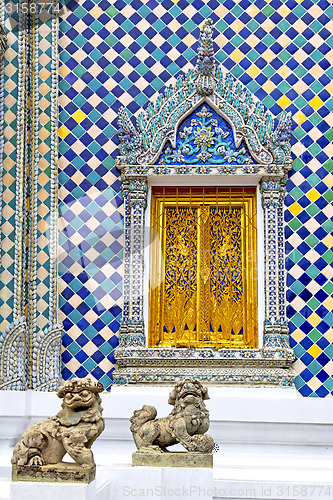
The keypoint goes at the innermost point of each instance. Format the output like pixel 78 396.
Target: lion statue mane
pixel 72 430
pixel 186 424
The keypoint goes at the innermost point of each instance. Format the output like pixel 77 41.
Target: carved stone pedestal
pixel 54 473
pixel 173 459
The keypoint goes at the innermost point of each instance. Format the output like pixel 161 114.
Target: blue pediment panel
pixel 204 137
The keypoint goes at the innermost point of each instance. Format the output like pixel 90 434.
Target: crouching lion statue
pixel 72 430
pixel 186 424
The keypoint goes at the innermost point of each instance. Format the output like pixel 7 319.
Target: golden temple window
pixel 203 271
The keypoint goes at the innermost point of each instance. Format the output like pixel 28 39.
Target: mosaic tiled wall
pixel 42 61
pixel 8 174
pixel 123 53
pixel 28 188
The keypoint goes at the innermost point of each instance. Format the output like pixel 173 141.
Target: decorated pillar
pixel 275 324
pixel 135 200
pixel 30 343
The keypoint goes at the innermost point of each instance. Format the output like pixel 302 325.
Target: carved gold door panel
pixel 203 275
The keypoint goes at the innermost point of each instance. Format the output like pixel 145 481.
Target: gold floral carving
pixel 204 254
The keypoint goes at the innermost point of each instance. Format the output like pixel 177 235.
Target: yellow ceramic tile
pixel 295 208
pixel 96 12
pixel 313 195
pixel 316 102
pixel 314 319
pixel 314 351
pixel 63 71
pixel 78 116
pixel 284 102
pixel 253 71
pixel 328 303
pixel 237 55
pixel 299 117
pixel 63 131
pixel 328 241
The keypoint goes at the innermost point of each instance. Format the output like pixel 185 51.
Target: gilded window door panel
pixel 226 287
pixel 180 284
pixel 203 290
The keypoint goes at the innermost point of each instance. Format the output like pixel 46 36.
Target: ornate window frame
pixel 140 147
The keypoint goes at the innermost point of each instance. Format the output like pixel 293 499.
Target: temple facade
pixel 166 175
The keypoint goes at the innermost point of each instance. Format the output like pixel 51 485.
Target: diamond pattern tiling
pixel 7 220
pixel 124 53
pixel 309 263
pixel 43 212
pixel 8 212
pixel 89 259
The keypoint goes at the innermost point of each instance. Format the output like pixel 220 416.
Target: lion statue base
pixel 186 424
pixel 39 453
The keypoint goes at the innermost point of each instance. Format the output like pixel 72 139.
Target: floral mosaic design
pixel 205 137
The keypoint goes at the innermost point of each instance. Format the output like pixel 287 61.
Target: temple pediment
pixel 204 138
pixel 161 125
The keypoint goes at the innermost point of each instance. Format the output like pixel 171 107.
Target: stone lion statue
pixel 186 424
pixel 72 430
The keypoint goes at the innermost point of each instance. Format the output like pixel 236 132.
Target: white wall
pixel 268 437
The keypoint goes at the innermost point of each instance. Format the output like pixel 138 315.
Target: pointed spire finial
pixel 205 63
